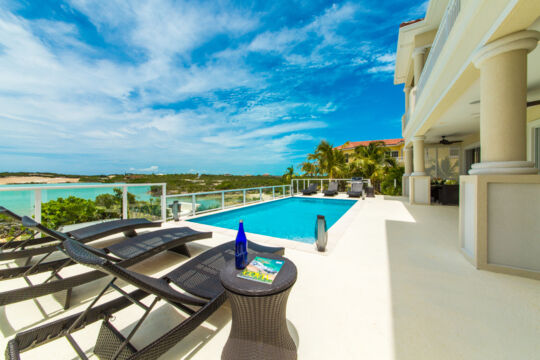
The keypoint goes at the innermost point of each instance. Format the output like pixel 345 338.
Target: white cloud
pixel 389 68
pixel 386 58
pixel 151 169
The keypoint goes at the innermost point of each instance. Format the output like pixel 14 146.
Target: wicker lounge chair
pixel 356 189
pixel 332 189
pixel 16 249
pixel 125 253
pixel 311 189
pixel 199 278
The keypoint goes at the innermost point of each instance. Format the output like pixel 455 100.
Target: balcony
pixel 450 15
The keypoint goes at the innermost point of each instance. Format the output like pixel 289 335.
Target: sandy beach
pixel 36 180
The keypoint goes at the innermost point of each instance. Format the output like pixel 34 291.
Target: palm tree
pixel 373 160
pixel 330 161
pixel 309 168
pixel 289 174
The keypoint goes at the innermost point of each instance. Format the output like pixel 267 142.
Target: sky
pixel 164 86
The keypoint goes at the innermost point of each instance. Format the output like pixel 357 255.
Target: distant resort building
pixel 394 146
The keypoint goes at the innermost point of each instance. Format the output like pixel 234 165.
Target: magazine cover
pixel 262 270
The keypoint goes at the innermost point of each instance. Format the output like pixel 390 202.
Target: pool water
pixel 292 218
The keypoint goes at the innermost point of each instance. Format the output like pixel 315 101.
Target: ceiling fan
pixel 447 142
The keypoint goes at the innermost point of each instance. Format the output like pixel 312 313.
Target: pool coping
pixel 334 233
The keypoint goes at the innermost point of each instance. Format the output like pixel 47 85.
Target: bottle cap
pixel 241 221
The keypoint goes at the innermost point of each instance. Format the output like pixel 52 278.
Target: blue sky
pixel 91 87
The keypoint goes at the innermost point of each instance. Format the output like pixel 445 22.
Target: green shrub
pixel 71 210
pixel 387 184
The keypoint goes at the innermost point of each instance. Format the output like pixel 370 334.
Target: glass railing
pixel 344 185
pixel 65 205
pixel 187 205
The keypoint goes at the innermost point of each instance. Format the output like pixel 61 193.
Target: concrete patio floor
pixel 393 286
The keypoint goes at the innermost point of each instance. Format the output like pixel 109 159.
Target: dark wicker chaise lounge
pixel 311 189
pixel 199 278
pixel 125 253
pixel 332 189
pixel 356 189
pixel 16 249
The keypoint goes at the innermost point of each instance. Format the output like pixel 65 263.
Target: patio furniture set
pixel 203 291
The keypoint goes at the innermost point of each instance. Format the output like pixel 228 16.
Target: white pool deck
pixel 392 286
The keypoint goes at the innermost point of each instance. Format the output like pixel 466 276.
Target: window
pixel 454 153
pixel 394 154
pixel 440 162
pixel 346 158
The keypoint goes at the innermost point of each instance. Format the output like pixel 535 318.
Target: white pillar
pixel 503 104
pixel 407 91
pixel 418 165
pixel 419 182
pixel 418 61
pixel 408 160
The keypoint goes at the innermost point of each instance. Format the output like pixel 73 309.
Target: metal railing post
pixel 260 194
pixel 222 200
pixel 193 205
pixel 37 207
pixel 124 202
pixel 273 192
pixel 297 186
pixel 244 193
pixel 164 202
pixel 322 184
pixel 283 190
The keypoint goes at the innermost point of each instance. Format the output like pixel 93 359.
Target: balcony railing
pixel 188 205
pixel 138 200
pixel 450 15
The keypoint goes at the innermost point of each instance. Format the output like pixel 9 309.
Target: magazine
pixel 262 270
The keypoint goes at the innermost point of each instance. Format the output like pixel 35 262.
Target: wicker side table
pixel 259 325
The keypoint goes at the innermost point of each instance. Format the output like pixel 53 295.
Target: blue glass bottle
pixel 241 247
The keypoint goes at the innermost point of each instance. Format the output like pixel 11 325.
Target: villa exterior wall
pixel 488 45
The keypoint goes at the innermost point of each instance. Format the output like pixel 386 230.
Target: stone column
pixel 408 160
pixel 418 166
pixel 498 202
pixel 407 91
pixel 419 182
pixel 503 104
pixel 418 60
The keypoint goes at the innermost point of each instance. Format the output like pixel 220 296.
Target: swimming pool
pixel 292 218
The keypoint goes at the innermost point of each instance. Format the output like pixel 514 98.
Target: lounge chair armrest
pixel 28 222
pixel 12 350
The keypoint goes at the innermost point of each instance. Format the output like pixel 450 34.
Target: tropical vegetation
pixel 370 162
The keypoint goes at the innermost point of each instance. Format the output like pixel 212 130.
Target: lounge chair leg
pixel 182 250
pixel 76 347
pixel 139 323
pixel 67 302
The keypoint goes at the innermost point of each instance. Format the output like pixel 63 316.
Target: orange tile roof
pixel 410 22
pixel 353 144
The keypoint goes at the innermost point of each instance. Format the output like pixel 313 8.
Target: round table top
pixel 285 278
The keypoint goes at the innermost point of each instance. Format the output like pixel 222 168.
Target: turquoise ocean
pixel 22 201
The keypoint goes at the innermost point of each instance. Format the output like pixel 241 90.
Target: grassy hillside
pixel 176 183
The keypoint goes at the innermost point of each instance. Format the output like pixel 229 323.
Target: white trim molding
pixel 503 168
pixel 521 40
